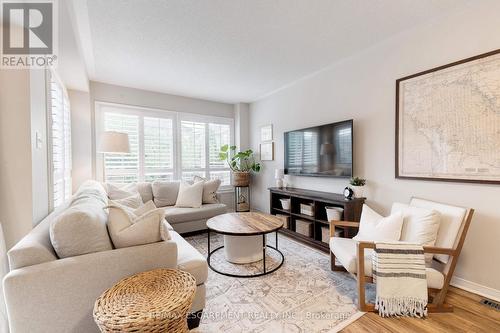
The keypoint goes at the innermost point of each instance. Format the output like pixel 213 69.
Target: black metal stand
pixel 264 247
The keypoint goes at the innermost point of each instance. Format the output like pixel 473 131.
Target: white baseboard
pixel 476 288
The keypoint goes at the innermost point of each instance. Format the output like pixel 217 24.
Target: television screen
pixel 321 151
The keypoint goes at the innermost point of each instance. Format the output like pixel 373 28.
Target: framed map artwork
pixel 448 122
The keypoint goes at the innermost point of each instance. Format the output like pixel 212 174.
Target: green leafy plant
pixel 356 181
pixel 243 161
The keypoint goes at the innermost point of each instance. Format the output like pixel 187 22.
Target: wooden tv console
pixel 318 201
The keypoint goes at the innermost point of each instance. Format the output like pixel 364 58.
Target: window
pixel 164 145
pixel 59 142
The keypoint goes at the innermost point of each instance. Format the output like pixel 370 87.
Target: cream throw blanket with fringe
pixel 401 282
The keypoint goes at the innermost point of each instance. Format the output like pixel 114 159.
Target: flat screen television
pixel 321 151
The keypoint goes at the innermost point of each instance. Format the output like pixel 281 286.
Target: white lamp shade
pixel 114 142
pixel 278 173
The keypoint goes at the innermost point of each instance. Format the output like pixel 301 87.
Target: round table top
pixel 244 224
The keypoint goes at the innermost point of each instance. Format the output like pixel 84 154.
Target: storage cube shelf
pixel 306 218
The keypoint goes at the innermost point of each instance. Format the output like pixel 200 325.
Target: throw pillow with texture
pixel 120 191
pixel 134 201
pixel 190 195
pixel 130 227
pixel 210 188
pixel 165 193
pixel 420 225
pixel 374 227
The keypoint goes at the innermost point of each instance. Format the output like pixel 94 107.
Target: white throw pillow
pixel 374 227
pixel 190 195
pixel 134 201
pixel 81 228
pixel 144 225
pixel 210 188
pixel 420 225
pixel 120 191
pixel 165 193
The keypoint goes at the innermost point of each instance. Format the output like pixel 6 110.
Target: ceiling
pixel 233 50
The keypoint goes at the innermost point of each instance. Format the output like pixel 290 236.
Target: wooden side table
pixel 152 301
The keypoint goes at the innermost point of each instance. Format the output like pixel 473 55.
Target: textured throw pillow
pixel 420 225
pixel 374 227
pixel 81 228
pixel 134 201
pixel 210 188
pixel 120 191
pixel 165 193
pixel 130 227
pixel 190 195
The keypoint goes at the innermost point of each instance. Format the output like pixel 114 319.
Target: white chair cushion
pixel 345 252
pixel 165 193
pixel 449 226
pixel 375 227
pixel 420 225
pixel 190 195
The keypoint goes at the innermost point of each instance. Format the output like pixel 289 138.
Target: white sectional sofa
pixel 44 293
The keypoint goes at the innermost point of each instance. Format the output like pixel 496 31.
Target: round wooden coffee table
pixel 242 243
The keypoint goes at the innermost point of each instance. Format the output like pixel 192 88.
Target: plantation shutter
pixel 123 168
pixel 158 149
pixel 60 140
pixel 218 135
pixel 193 149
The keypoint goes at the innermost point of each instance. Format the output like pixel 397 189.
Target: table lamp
pixel 112 142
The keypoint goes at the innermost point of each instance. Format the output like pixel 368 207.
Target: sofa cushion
pixel 165 193
pixel 345 252
pixel 128 227
pixel 189 259
pixel 81 228
pixel 210 187
pixel 190 195
pixel 177 214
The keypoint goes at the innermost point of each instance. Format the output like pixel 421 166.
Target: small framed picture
pixel 266 133
pixel 267 151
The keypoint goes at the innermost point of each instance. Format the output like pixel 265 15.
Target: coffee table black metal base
pixel 264 247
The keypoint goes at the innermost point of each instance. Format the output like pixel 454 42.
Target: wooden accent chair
pixel 453 228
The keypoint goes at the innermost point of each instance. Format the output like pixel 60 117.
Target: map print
pixel 449 122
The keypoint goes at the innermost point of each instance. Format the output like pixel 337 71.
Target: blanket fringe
pixel 401 306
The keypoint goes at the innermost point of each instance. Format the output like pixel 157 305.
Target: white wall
pixel 362 87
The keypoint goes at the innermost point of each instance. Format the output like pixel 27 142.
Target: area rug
pixel 304 295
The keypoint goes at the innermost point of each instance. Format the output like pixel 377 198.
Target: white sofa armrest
pixel 59 296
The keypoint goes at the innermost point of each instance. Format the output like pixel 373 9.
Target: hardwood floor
pixel 469 316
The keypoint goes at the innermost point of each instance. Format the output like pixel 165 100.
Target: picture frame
pixel 267 151
pixel 266 133
pixel 451 142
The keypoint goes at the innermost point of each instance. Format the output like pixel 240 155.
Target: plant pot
pixel 358 191
pixel 241 178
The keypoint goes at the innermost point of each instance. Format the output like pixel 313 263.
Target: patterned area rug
pixel 304 295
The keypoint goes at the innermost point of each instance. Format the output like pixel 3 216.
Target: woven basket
pixel 241 178
pixel 153 301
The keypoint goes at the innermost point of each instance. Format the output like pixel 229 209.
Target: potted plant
pixel 357 185
pixel 241 164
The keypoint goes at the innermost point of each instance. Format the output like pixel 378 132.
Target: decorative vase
pixel 358 191
pixel 241 178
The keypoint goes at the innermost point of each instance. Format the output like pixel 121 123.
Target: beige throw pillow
pixel 374 227
pixel 210 188
pixel 420 225
pixel 134 201
pixel 165 193
pixel 130 227
pixel 190 195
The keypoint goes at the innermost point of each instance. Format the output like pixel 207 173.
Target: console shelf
pixel 318 200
